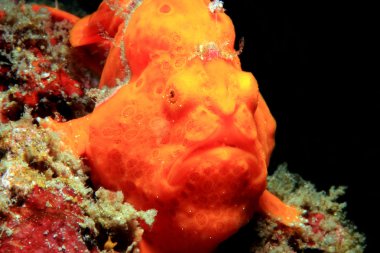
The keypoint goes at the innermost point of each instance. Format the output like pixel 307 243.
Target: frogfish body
pixel 189 134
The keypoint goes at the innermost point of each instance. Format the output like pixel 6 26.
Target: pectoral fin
pixel 278 210
pixel 74 133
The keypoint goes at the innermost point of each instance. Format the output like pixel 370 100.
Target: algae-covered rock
pixel 326 228
pixel 46 202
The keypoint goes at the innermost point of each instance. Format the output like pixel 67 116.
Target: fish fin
pixel 74 133
pixel 115 60
pixel 278 210
pixel 99 26
pixel 83 33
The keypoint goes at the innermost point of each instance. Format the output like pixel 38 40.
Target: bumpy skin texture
pixel 189 135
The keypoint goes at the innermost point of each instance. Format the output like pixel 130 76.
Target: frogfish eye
pixel 171 96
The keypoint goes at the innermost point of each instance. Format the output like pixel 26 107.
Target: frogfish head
pixel 192 143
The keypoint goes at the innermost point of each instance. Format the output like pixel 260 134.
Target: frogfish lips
pixel 221 172
pixel 219 187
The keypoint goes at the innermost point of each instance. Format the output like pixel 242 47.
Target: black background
pixel 315 64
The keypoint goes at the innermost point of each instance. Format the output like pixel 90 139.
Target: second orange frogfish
pixel 188 133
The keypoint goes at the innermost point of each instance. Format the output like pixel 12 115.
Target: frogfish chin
pixel 217 196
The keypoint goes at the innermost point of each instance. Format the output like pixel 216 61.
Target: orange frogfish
pixel 188 133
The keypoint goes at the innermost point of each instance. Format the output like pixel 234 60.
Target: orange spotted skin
pixel 189 135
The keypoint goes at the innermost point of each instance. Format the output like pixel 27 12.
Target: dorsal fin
pixel 104 28
pixel 100 25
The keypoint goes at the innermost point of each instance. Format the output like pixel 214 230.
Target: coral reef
pixel 326 228
pixel 53 220
pixel 45 188
pixel 38 67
